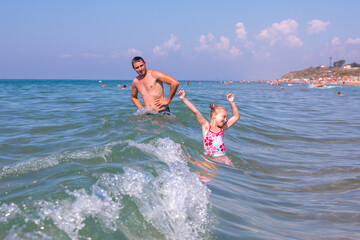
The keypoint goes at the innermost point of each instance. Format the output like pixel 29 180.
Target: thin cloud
pixel 235 51
pixel 354 41
pixel 222 48
pixel 261 54
pixel 224 43
pixel 159 51
pixel 343 49
pixel 350 41
pixel 317 26
pixel 92 55
pixel 204 46
pixel 166 46
pixel 240 31
pixel 65 56
pixel 131 52
pixel 284 32
pixel 294 41
pixel 335 41
pixel 171 43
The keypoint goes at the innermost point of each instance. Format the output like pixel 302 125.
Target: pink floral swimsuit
pixel 214 143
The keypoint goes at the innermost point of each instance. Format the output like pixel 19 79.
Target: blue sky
pixel 189 40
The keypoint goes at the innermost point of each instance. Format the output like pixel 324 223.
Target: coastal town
pixel 340 73
pixel 344 74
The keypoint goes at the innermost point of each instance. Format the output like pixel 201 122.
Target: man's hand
pixel 159 103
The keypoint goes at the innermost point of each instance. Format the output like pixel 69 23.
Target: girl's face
pixel 220 118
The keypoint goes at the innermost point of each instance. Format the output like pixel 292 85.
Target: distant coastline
pixel 332 75
pixel 322 72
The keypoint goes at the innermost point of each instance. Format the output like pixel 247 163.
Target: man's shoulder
pixel 135 82
pixel 155 73
pixel 136 79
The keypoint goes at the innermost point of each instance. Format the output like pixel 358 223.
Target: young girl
pixel 213 132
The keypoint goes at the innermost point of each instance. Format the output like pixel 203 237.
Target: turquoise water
pixel 78 162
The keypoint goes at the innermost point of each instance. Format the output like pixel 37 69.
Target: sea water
pixel 77 161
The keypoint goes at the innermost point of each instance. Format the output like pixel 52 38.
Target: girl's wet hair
pixel 215 109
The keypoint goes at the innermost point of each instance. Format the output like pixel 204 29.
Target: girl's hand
pixel 181 94
pixel 230 97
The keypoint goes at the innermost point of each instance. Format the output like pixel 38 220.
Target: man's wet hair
pixel 136 59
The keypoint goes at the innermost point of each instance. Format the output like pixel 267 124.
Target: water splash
pixel 170 198
pixel 159 200
pixel 69 215
pixel 8 211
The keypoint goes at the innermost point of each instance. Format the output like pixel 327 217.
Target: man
pixel 149 83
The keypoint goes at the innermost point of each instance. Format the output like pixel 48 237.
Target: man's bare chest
pixel 148 85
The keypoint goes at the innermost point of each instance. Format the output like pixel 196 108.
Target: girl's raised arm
pixel 236 116
pixel 199 117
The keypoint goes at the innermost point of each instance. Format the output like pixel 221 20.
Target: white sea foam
pixel 330 86
pixel 174 202
pixel 29 166
pixel 69 215
pixel 143 111
pixel 324 87
pixel 8 211
pixel 36 164
pixel 168 196
pixel 18 233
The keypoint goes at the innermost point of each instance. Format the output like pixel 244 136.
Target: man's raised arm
pixel 174 84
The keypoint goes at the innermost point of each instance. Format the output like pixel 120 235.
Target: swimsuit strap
pixel 215 132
